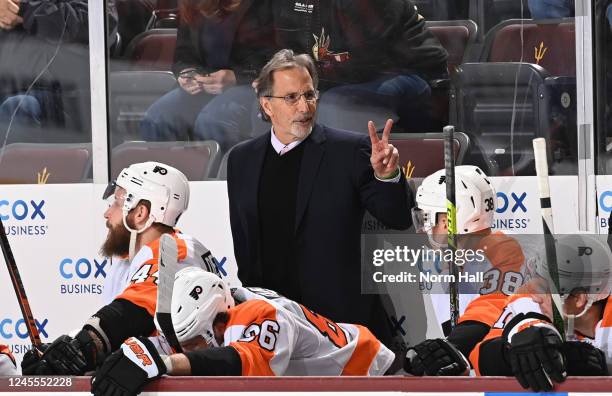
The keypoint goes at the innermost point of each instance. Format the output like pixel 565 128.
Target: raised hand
pixel 385 157
pixel 9 14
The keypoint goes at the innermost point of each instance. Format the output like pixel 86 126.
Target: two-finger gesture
pixel 9 14
pixel 385 157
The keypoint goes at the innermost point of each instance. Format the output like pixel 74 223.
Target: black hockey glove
pixel 584 359
pixel 535 352
pixel 72 356
pixel 128 369
pixel 436 357
pixel 32 364
pixel 63 357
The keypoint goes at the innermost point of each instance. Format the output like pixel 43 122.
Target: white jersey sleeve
pixel 7 362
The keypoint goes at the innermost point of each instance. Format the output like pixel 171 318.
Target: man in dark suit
pixel 298 195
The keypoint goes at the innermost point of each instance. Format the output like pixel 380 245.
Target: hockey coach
pixel 298 195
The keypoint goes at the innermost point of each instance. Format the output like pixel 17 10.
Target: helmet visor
pixel 110 190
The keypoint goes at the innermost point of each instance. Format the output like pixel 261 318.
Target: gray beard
pixel 301 134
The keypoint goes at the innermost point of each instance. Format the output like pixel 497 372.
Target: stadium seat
pixel 222 175
pixel 421 154
pixel 152 50
pixel 457 37
pixel 488 13
pixel 146 78
pixel 197 160
pixel 503 103
pixel 131 94
pixel 45 163
pixel 163 19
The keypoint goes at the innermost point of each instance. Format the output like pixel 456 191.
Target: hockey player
pixel 270 336
pixel 145 202
pixel 7 361
pixel 502 269
pixel 524 343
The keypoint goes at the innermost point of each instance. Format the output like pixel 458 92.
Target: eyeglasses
pixel 293 98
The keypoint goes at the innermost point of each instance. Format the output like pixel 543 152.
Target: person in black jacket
pixel 298 194
pixel 217 49
pixel 374 58
pixel 44 57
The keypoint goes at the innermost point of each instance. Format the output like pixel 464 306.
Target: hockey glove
pixel 436 357
pixel 127 370
pixel 584 359
pixel 32 364
pixel 72 356
pixel 534 352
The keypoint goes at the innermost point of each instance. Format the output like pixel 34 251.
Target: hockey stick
pixel 168 266
pixel 24 304
pixel 451 219
pixel 541 165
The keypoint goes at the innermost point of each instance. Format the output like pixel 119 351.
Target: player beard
pixel 117 241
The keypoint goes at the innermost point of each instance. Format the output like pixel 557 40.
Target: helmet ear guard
pixel 197 298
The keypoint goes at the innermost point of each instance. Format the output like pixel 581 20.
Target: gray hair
pixel 282 60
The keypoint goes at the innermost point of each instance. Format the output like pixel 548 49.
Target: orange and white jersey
pixel 7 361
pixel 501 274
pixel 136 281
pixel 281 337
pixel 603 333
pixel 603 328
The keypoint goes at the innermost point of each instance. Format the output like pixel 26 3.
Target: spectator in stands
pixel 551 9
pixel 298 194
pixel 374 58
pixel 218 47
pixel 43 57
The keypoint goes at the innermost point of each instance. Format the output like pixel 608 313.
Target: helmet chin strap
pixel 571 319
pixel 134 233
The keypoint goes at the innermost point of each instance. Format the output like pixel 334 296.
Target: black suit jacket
pixel 336 185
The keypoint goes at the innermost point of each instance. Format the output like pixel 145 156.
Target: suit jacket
pixel 336 185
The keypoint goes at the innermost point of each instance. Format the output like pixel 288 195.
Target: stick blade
pixel 168 267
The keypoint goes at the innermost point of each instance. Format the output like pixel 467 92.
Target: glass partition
pixel 45 111
pixel 502 71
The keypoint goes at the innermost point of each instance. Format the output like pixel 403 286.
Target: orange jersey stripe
pixel 475 354
pixel 255 360
pixel 143 291
pixel 364 353
pixel 606 320
pixel 503 252
pixel 485 309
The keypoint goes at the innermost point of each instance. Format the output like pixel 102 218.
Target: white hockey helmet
pixel 197 298
pixel 165 187
pixel 583 263
pixel 475 200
